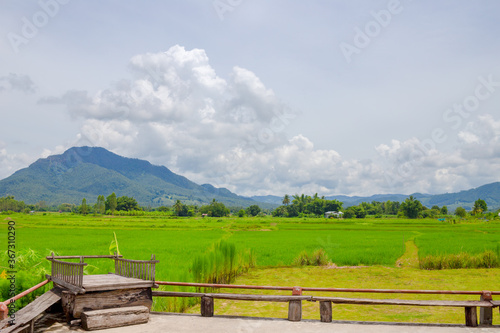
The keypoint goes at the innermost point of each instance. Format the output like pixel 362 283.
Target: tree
pixel 286 200
pixel 100 205
pixel 411 207
pixel 216 209
pixel 314 207
pixel 349 213
pixel 126 203
pixel 253 210
pixel 241 213
pixel 332 206
pixel 280 211
pixel 84 209
pixel 8 203
pixel 444 210
pixel 460 212
pixel 480 206
pixel 111 202
pixel 181 209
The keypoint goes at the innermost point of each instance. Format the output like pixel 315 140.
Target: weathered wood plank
pixel 109 318
pixel 32 310
pixel 176 294
pixel 111 299
pixel 485 314
pixel 325 311
pixel 112 282
pixel 207 306
pixel 470 316
pixel 66 285
pixel 68 303
pixel 295 310
pixel 78 257
pixel 342 300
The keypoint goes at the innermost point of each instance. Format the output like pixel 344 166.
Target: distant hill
pixel 86 172
pixel 489 193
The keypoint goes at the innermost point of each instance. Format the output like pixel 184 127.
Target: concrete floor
pixel 182 323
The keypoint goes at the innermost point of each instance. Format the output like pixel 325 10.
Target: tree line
pixel 292 206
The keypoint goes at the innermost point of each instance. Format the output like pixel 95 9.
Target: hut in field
pixel 333 214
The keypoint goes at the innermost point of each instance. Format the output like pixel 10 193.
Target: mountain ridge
pixel 86 172
pixel 466 198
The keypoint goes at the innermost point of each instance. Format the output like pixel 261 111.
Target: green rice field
pixel 375 244
pixel 275 241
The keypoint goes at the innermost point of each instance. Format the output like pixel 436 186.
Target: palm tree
pixel 178 206
pixel 286 200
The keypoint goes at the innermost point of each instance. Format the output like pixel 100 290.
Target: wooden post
pixel 32 325
pixel 207 306
pixel 294 310
pixel 470 316
pixel 325 311
pixel 486 314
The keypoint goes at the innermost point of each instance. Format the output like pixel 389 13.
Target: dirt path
pixel 410 257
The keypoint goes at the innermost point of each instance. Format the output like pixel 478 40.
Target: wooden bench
pixel 325 306
pixel 207 301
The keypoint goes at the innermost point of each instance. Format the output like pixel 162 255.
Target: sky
pixel 263 97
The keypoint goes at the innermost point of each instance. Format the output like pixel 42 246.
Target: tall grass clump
pixel 487 259
pixel 317 258
pixel 222 263
pixel 31 268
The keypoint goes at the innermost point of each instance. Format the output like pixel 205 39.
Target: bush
pixel 317 258
pixel 30 271
pixel 487 259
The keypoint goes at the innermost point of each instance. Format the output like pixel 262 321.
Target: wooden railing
pixel 68 272
pixel 139 269
pixel 486 303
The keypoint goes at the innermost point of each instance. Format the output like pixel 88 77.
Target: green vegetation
pixel 317 258
pixel 305 205
pixel 215 209
pixel 487 259
pixel 219 248
pixel 221 264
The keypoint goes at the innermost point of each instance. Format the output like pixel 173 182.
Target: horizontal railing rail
pixel 4 310
pixel 85 257
pixel 339 290
pixel 485 303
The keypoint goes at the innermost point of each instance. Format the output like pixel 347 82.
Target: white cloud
pixel 11 162
pixel 176 111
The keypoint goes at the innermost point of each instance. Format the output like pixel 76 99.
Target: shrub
pixel 317 258
pixel 487 259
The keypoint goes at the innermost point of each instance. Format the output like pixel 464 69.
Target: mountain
pixel 489 193
pixel 86 172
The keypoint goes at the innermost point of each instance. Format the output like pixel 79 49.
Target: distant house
pixel 333 214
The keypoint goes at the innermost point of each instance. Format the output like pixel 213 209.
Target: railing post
pixel 486 314
pixel 207 306
pixel 295 310
pixel 325 311
pixel 471 316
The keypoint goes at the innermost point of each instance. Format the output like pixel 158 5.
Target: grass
pixel 367 278
pixel 275 243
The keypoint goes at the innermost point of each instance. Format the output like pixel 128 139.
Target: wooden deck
pixel 113 282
